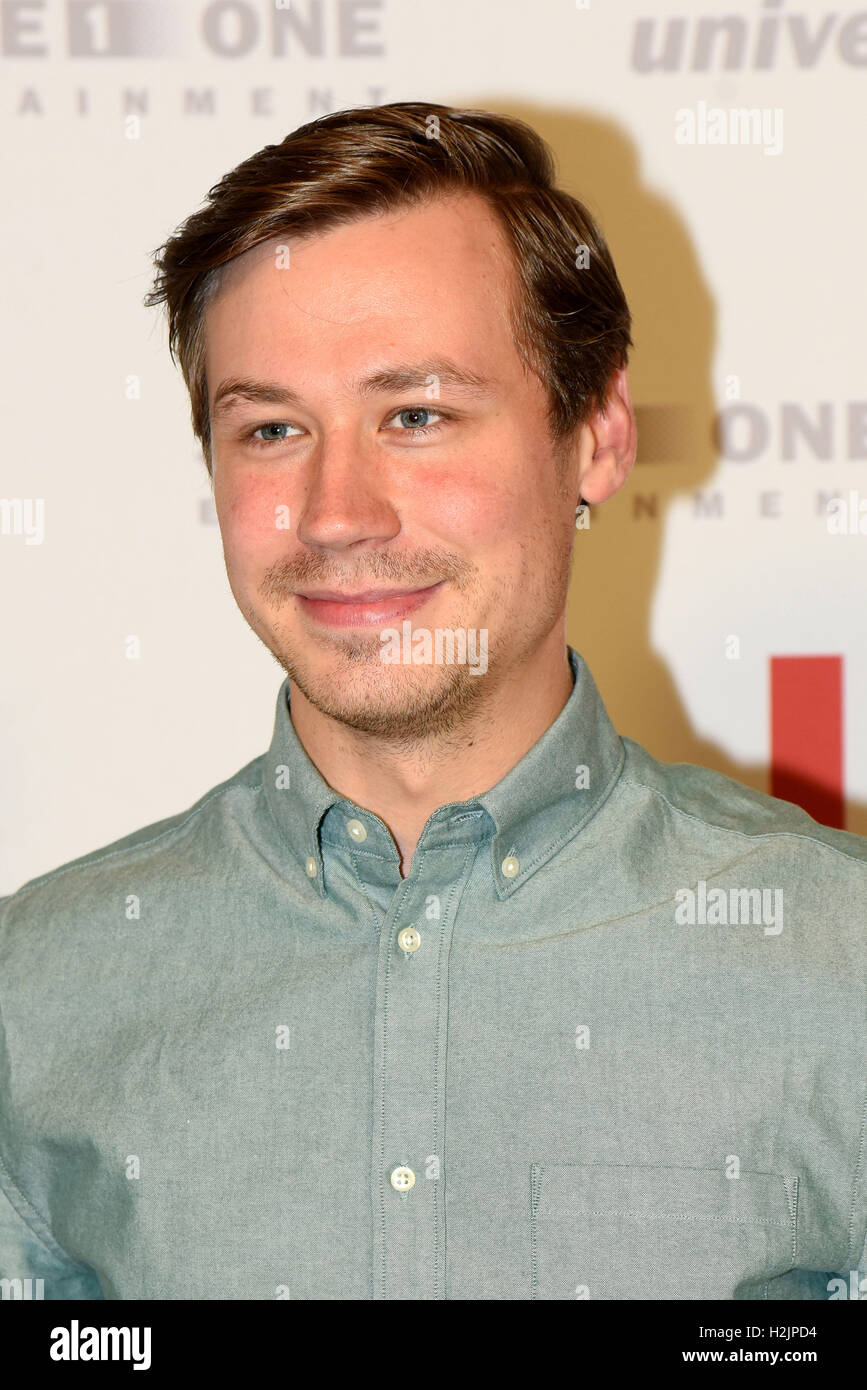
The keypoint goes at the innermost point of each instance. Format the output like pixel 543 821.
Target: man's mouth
pixel 363 608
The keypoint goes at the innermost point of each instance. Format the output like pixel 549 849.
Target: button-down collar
pixel 540 804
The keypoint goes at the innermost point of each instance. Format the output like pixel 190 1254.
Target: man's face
pixel 472 515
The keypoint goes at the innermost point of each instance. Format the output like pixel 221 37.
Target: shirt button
pixel 356 830
pixel 408 939
pixel 510 866
pixel 402 1179
pixel 310 866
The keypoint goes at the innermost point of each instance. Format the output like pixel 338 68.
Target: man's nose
pixel 347 497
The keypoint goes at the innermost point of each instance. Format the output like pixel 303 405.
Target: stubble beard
pixel 419 709
pixel 405 706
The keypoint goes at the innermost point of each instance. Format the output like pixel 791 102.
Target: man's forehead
pixel 465 212
pixel 369 325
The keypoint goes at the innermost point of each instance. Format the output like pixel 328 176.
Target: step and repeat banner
pixel 720 598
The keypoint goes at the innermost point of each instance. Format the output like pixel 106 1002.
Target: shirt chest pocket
pixel 601 1231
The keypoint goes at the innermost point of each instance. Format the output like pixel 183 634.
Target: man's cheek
pixel 472 514
pixel 257 518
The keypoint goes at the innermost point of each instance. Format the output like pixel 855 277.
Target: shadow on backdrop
pixel 618 556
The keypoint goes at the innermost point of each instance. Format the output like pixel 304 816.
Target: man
pixel 453 993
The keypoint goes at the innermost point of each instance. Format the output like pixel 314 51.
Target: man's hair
pixel 571 321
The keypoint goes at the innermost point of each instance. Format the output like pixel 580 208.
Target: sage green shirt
pixel 606 1040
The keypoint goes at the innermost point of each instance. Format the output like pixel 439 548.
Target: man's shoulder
pixel 719 806
pixel 154 844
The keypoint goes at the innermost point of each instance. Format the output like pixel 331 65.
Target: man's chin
pixel 389 701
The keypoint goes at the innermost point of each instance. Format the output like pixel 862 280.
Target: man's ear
pixel 608 444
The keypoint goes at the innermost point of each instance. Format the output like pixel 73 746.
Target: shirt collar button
pixel 356 831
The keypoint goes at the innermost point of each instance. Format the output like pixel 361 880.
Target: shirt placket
pixel 408 1159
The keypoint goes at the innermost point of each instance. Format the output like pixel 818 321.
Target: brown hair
pixel 571 322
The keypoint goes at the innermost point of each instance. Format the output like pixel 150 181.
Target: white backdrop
pixel 743 263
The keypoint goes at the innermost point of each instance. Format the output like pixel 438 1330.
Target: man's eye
pixel 409 417
pixel 273 439
pixel 415 420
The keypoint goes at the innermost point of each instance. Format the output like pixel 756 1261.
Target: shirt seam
pixel 54 874
pixel 373 906
pixel 687 1216
pixel 746 834
pixel 853 1250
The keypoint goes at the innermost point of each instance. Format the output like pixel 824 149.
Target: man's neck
pixel 405 788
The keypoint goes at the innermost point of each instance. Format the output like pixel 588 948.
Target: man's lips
pixel 367 608
pixel 363 596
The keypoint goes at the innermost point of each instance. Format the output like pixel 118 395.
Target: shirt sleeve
pixel 29 1269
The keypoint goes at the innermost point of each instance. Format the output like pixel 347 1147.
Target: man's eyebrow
pixel 415 376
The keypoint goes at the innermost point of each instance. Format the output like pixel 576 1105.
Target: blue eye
pixel 407 414
pixel 271 425
pixel 419 410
